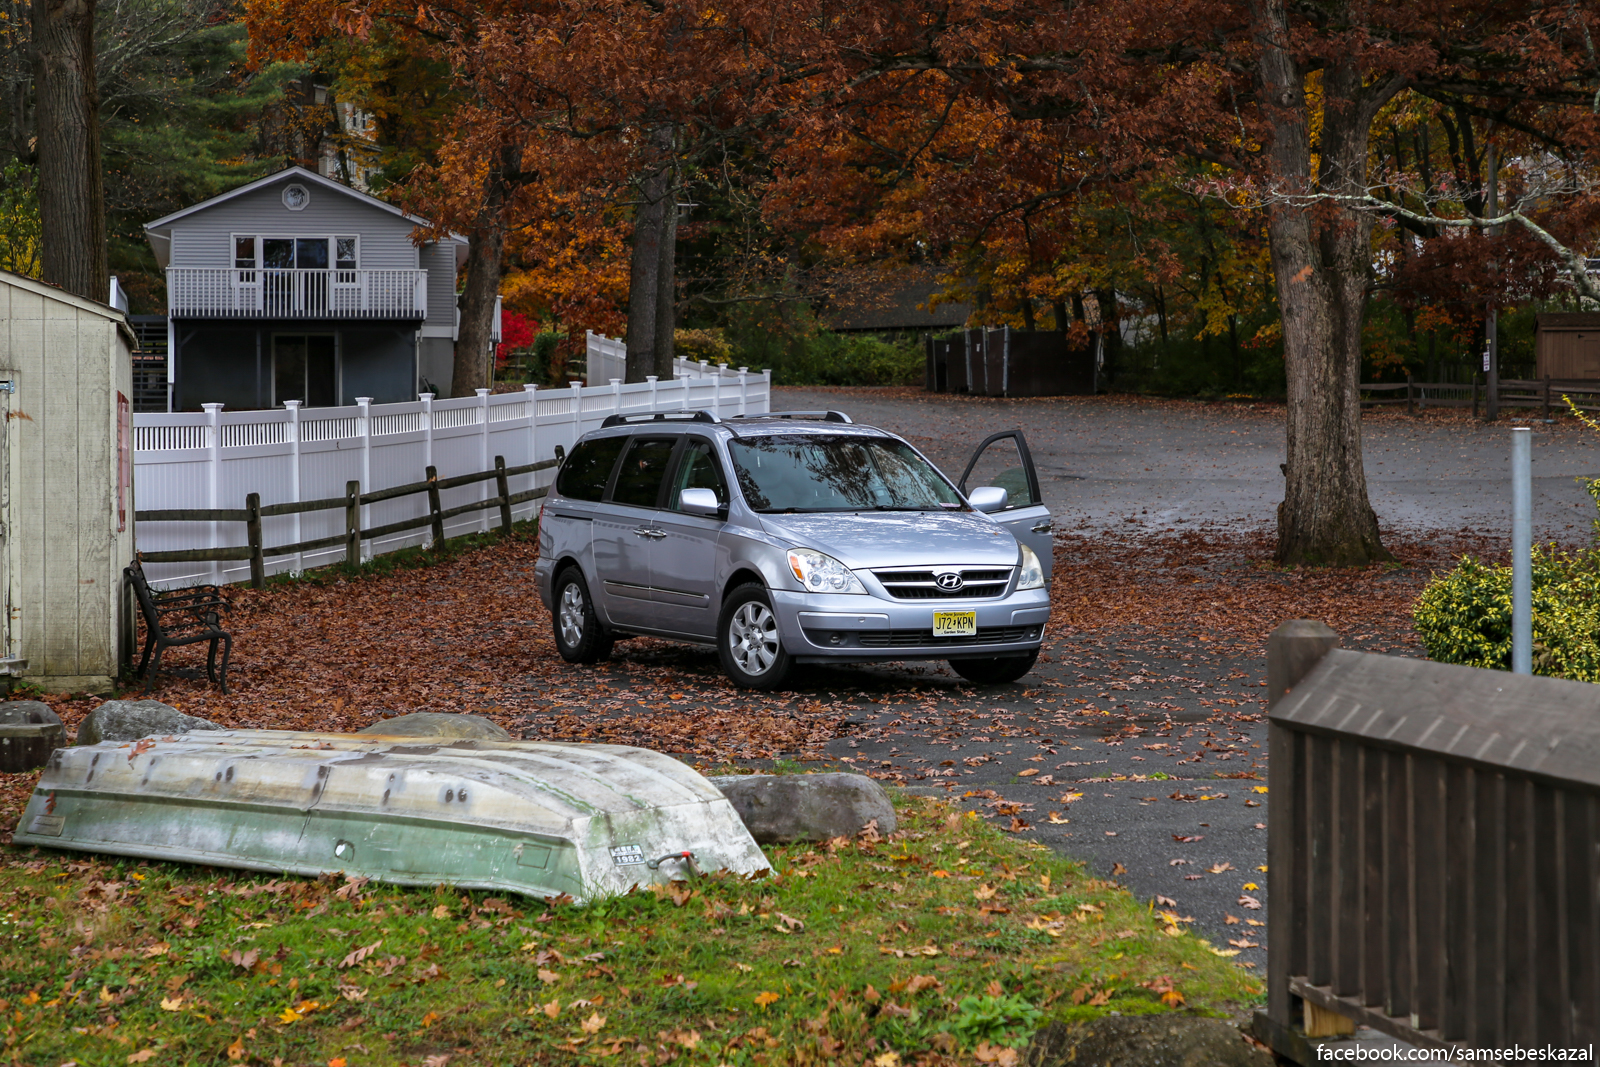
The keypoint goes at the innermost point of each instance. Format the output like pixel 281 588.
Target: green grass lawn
pixel 945 942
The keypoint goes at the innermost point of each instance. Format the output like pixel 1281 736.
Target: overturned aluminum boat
pixel 525 816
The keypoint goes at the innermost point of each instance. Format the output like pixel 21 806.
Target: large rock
pixel 29 732
pixel 806 807
pixel 129 720
pixel 1143 1041
pixel 439 724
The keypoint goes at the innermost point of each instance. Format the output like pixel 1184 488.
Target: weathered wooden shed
pixel 1566 345
pixel 66 485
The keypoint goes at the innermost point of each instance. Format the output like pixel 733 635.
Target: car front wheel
pixel 995 671
pixel 579 636
pixel 748 643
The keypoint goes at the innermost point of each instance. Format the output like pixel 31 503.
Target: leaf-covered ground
pixel 468 634
pixel 945 943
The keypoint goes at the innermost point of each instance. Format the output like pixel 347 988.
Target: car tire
pixel 579 636
pixel 995 671
pixel 748 642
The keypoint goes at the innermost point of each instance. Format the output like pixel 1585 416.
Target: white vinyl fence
pixel 213 459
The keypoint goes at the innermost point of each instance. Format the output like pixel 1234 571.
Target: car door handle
pixel 1043 527
pixel 650 531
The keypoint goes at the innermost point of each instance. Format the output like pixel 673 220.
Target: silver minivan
pixel 794 538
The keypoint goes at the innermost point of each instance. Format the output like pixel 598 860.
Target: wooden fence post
pixel 505 493
pixel 1474 394
pixel 252 525
pixel 352 523
pixel 1411 408
pixel 1293 649
pixel 1547 397
pixel 434 508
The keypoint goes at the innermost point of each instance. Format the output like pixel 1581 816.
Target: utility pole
pixel 1491 314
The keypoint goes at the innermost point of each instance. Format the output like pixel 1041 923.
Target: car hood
pixel 899 538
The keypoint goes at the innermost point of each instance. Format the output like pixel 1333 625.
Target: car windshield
pixel 837 473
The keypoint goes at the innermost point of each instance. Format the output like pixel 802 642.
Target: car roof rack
pixel 823 416
pixel 659 416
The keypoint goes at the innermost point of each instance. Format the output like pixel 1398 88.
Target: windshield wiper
pixel 906 507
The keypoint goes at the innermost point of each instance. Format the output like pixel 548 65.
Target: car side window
pixel 644 466
pixel 585 473
pixel 1001 464
pixel 697 469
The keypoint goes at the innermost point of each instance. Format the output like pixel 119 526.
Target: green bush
pixel 1465 616
pixel 789 339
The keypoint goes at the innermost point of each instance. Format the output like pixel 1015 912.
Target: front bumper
pixel 821 628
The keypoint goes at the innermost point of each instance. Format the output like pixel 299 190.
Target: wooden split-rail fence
pixel 1545 394
pixel 353 500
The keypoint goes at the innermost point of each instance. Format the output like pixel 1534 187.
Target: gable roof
pixel 161 240
pixel 897 303
pixel 61 296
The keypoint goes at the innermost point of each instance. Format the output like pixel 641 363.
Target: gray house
pixel 296 287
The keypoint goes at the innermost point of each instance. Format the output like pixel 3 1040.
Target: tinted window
pixel 837 473
pixel 584 474
pixel 644 465
pixel 697 469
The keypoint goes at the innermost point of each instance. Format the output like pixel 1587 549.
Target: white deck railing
pixel 226 292
pixel 213 458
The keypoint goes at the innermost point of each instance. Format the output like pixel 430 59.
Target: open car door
pixel 1003 460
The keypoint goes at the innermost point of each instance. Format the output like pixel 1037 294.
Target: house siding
pixel 439 260
pixel 205 238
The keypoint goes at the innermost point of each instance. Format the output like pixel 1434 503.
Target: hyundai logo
pixel 949 580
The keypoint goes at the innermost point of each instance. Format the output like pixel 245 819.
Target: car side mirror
pixel 988 499
pixel 699 502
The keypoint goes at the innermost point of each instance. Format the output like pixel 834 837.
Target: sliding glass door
pixel 305 368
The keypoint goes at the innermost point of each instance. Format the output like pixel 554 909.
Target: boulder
pixel 129 720
pixel 1144 1041
pixel 439 724
pixel 806 807
pixel 29 732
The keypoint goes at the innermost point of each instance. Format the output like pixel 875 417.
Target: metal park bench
pixel 180 617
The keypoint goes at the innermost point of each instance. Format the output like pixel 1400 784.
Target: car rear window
pixel 585 473
pixel 837 473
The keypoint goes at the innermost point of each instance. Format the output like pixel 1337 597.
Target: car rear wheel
pixel 748 642
pixel 579 636
pixel 995 671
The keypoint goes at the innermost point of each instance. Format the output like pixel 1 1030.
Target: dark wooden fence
pixel 254 511
pixel 1545 394
pixel 1434 851
pixel 1001 361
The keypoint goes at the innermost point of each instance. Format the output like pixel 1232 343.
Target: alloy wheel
pixel 753 638
pixel 571 616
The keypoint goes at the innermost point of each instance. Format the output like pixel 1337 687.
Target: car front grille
pixel 918 638
pixel 924 585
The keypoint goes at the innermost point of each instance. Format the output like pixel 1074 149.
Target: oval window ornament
pixel 296 197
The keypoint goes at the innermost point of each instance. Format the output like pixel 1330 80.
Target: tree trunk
pixel 1321 260
pixel 1110 332
pixel 644 270
pixel 485 261
pixel 667 285
pixel 72 210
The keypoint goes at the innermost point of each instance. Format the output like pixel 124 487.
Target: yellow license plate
pixel 955 624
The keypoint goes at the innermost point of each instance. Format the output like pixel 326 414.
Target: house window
pixel 296 253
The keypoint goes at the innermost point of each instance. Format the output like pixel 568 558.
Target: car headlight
pixel 1032 576
pixel 823 574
